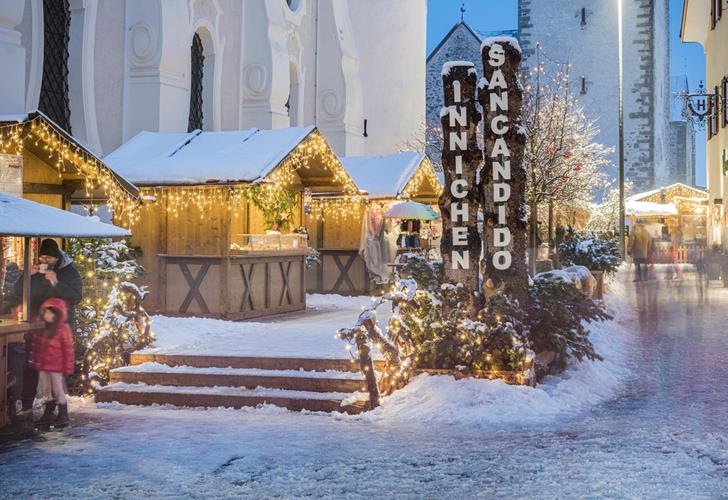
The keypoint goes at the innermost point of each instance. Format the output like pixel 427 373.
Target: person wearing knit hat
pixel 56 277
pixel 49 248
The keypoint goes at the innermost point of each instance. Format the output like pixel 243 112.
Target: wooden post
pixel 503 176
pixel 461 157
pixel 27 271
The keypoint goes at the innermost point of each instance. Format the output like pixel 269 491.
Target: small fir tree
pixel 110 320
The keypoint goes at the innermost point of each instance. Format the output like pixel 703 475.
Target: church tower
pixel 584 33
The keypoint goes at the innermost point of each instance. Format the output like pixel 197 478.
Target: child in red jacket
pixel 52 355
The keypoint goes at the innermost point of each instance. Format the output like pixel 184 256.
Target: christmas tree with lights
pixel 111 321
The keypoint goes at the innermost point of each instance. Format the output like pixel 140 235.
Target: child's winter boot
pixel 62 418
pixel 48 416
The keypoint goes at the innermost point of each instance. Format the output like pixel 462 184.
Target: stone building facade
pixel 585 33
pixel 682 141
pixel 706 22
pixel 123 66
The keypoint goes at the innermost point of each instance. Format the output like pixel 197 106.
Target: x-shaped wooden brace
pixel 344 272
pixel 286 292
pixel 247 301
pixel 194 284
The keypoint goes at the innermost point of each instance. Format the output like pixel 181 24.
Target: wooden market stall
pixel 222 231
pixel 342 227
pixel 22 221
pixel 42 162
pixel 676 216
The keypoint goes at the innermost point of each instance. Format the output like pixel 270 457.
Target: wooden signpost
pixel 461 157
pixel 500 189
pixel 503 178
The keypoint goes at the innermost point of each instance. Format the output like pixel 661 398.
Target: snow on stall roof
pixel 647 208
pixel 448 66
pixel 645 194
pixel 383 176
pixel 501 40
pixel 21 217
pixel 197 157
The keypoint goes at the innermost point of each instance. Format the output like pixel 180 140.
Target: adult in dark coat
pixel 60 280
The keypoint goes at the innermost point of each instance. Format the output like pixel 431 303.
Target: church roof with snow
pixel 197 157
pixel 478 35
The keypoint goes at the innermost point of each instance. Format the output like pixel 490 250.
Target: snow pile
pixel 441 399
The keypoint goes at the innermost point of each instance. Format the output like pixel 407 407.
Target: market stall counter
pixel 264 274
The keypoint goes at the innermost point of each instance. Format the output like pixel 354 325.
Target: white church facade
pixel 107 69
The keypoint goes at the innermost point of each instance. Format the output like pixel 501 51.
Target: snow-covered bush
pixel 598 253
pixel 431 328
pixel 110 320
pixel 434 329
pixel 557 318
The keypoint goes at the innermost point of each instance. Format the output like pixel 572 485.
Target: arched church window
pixel 196 73
pixel 54 86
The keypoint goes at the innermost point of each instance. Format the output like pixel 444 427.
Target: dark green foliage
pixel 556 318
pixel 428 275
pixel 598 253
pixel 434 328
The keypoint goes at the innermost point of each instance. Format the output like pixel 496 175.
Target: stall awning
pixel 21 217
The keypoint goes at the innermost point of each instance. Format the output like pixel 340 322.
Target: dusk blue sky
pixel 491 15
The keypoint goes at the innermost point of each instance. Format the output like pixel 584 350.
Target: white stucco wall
pixel 129 67
pixel 392 54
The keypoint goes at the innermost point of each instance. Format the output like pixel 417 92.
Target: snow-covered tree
pixel 565 162
pixel 605 215
pixel 110 320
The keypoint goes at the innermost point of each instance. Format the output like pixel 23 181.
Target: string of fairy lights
pixel 69 158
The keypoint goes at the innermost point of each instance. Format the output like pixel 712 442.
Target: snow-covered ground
pixel 628 426
pixel 305 334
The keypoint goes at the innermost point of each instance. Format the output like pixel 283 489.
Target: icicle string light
pixel 67 157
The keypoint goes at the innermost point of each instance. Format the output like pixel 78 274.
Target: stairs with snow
pixel 234 382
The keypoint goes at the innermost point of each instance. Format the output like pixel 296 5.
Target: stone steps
pixel 230 397
pixel 296 380
pixel 235 382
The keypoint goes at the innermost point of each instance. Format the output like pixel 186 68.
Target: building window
pixel 583 85
pixel 196 73
pixel 54 87
pixel 714 113
pixel 583 17
pixel 716 12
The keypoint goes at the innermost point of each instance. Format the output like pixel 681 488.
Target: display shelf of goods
pixel 272 241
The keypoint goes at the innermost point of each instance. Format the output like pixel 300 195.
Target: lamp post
pixel 621 132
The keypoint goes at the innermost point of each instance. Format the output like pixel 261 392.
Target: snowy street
pixel 659 431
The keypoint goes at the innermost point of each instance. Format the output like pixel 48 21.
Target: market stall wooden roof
pixel 668 193
pixel 405 174
pixel 197 158
pixel 44 138
pixel 21 217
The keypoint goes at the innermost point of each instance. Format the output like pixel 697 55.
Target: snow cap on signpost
pixel 461 158
pixel 503 178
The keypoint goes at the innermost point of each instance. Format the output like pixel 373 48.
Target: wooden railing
pixel 686 254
